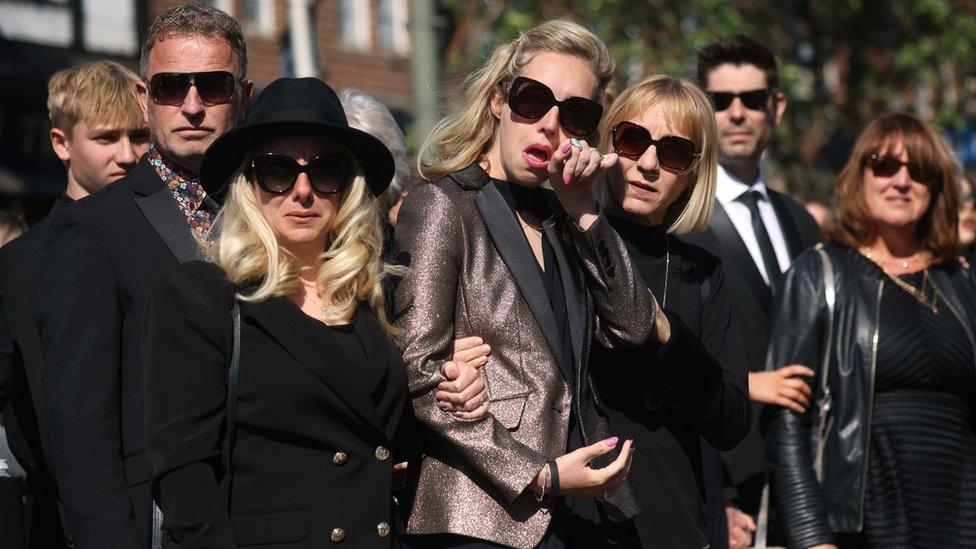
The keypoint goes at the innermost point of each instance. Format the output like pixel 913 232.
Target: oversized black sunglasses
pixel 277 173
pixel 170 88
pixel 888 166
pixel 754 100
pixel 674 154
pixel 532 99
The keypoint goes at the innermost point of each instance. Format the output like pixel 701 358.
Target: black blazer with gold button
pixel 316 439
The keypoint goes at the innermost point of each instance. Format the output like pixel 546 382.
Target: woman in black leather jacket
pixel 885 455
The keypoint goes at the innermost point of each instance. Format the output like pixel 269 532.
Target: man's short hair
pixel 101 92
pixel 194 19
pixel 737 50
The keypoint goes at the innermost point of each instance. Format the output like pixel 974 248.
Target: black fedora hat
pixel 294 106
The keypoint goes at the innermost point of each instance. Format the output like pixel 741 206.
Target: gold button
pixel 383 529
pixel 382 453
pixel 339 458
pixel 338 534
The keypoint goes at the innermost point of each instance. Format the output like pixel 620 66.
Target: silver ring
pixel 576 143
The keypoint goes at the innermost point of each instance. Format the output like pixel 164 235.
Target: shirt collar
pixel 730 188
pixel 170 172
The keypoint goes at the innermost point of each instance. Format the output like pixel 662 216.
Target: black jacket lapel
pixel 161 210
pixel 790 232
pixel 303 340
pixel 377 347
pixel 572 279
pixel 509 238
pixel 725 231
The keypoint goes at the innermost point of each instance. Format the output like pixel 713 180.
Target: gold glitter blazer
pixel 471 273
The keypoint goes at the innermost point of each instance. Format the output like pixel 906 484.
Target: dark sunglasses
pixel 888 166
pixel 675 154
pixel 170 88
pixel 531 99
pixel 754 100
pixel 277 173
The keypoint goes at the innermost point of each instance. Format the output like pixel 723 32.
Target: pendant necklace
pixel 920 293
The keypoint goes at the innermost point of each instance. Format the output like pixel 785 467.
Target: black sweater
pixel 668 398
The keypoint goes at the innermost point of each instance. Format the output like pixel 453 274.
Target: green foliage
pixel 842 62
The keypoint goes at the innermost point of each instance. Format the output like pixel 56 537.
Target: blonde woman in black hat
pixel 295 445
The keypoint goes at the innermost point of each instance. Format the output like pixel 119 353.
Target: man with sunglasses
pixel 756 232
pixel 102 254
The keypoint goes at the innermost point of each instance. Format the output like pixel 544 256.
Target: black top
pixel 314 451
pixel 670 398
pixel 922 457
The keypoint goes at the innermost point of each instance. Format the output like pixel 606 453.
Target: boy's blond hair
pixel 101 92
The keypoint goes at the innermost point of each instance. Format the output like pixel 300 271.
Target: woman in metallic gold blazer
pixel 537 274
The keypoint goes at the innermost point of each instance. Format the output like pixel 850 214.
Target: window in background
pixel 354 27
pixel 393 33
pixel 258 17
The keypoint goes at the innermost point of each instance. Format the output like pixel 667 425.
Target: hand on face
pixel 184 132
pixel 572 171
pixel 523 148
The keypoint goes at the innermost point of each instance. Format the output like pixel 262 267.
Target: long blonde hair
pixel 686 108
pixel 351 269
pixel 462 137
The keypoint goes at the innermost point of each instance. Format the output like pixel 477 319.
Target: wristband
pixel 554 487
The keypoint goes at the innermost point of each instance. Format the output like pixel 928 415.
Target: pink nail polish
pixel 566 148
pixel 612 441
pixel 567 178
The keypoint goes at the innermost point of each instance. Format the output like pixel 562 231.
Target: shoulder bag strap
pixel 823 403
pixel 233 375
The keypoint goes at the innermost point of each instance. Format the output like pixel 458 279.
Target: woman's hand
pixel 400 476
pixel 782 387
pixel 741 527
pixel 464 391
pixel 572 171
pixel 577 479
pixel 662 328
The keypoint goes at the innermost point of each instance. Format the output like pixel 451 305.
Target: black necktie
pixel 751 200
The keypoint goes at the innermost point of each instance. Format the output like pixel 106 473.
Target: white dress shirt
pixel 728 189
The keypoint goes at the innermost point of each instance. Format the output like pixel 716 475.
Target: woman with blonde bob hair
pixel 885 456
pixel 670 398
pixel 273 388
pixel 538 274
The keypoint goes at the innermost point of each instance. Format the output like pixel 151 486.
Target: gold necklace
pixel 920 294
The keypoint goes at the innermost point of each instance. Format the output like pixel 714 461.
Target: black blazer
pixel 21 390
pixel 752 303
pixel 315 437
pixel 100 256
pixel 668 398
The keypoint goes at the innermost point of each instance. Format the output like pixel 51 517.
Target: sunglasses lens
pixel 530 99
pixel 580 116
pixel 721 100
pixel 274 173
pixel 755 100
pixel 169 88
pixel 883 166
pixel 675 153
pixel 630 139
pixel 328 173
pixel 215 87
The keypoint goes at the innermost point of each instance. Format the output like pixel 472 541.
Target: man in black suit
pixel 100 257
pixel 99 133
pixel 757 232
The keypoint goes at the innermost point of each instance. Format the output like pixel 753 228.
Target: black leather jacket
pixel 813 511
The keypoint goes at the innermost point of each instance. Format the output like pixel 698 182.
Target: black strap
pixel 751 199
pixel 233 375
pixel 554 477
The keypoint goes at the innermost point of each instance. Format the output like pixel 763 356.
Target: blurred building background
pixel 843 62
